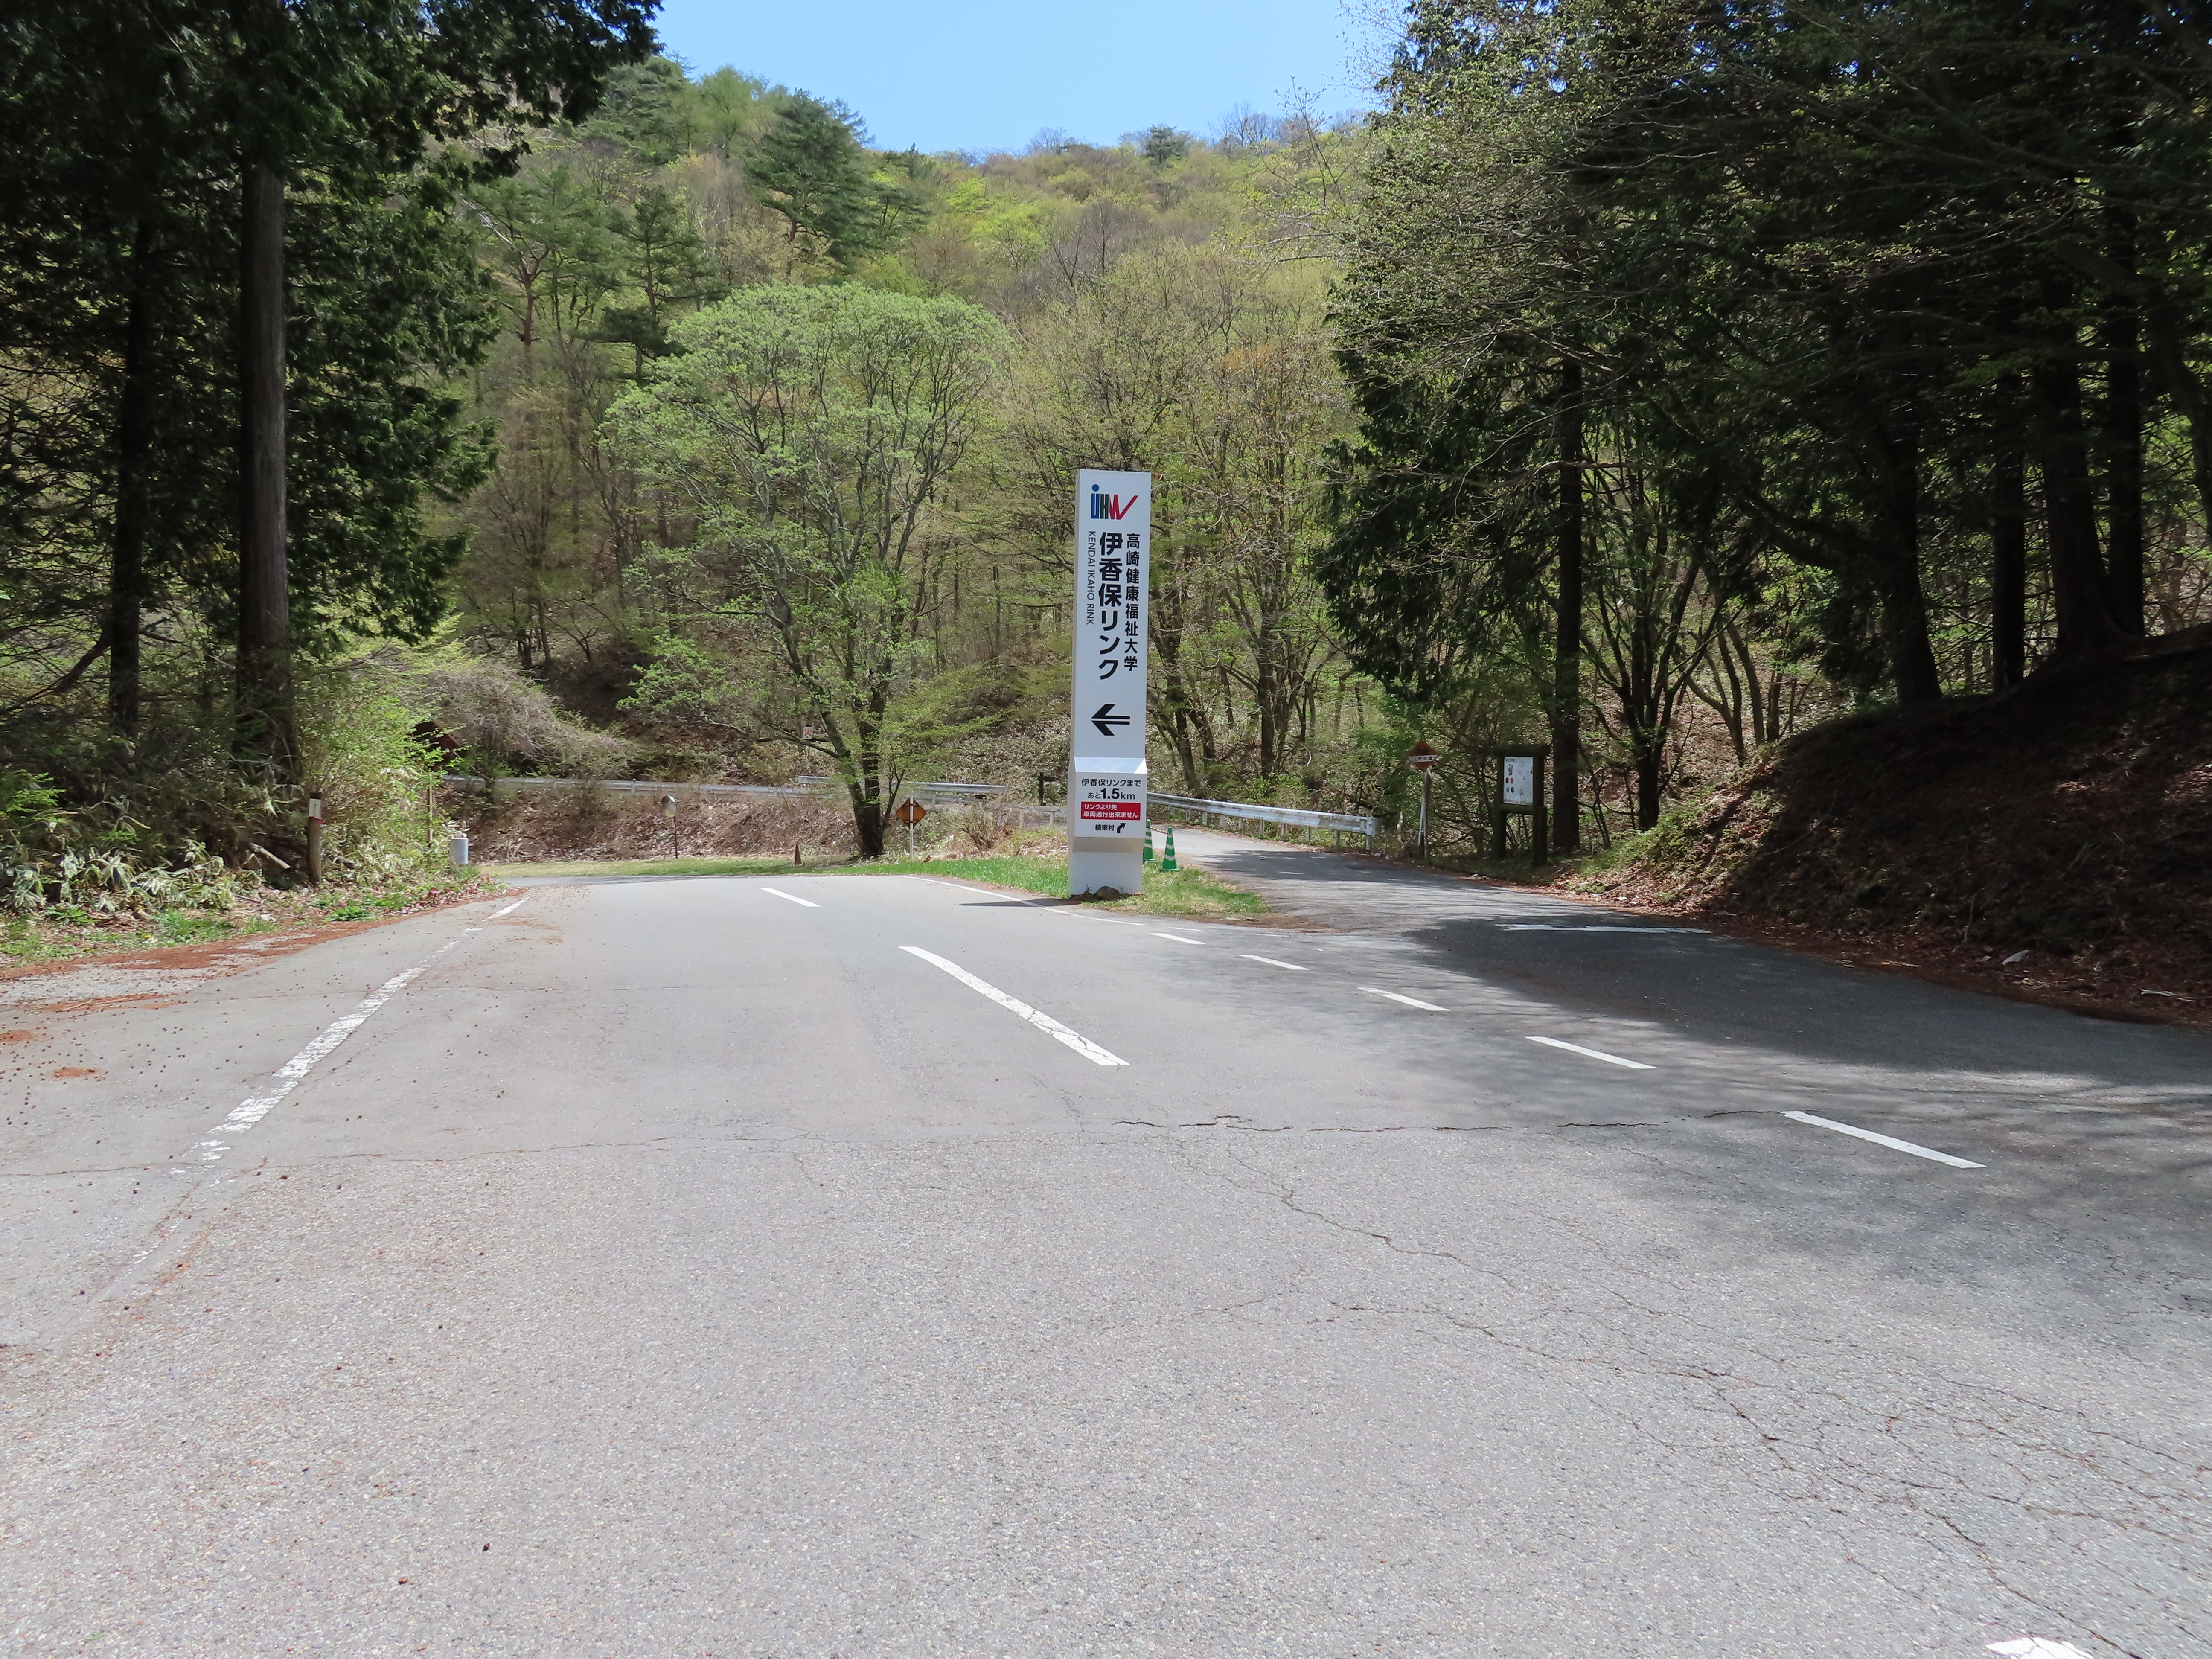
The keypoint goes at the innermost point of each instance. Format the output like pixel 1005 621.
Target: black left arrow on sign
pixel 1106 720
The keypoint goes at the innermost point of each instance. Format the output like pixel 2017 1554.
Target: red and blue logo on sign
pixel 1103 506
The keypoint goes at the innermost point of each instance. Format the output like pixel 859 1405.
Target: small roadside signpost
pixel 1423 758
pixel 1107 776
pixel 910 812
pixel 675 835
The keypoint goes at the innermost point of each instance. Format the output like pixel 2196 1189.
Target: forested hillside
pixel 1745 359
pixel 1156 304
pixel 1656 380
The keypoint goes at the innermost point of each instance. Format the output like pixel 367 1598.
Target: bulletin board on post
pixel 1519 792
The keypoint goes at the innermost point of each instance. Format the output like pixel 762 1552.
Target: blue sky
pixel 990 74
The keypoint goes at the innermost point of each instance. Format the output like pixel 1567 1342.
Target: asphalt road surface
pixel 872 1265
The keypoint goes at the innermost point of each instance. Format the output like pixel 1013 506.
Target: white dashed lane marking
pixel 1271 962
pixel 1894 1144
pixel 793 897
pixel 289 1077
pixel 1410 1002
pixel 1594 1054
pixel 1045 1023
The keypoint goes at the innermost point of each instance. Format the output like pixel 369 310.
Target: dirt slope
pixel 2070 818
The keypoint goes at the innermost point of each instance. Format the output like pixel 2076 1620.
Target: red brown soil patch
pixel 584 824
pixel 2069 819
pixel 231 955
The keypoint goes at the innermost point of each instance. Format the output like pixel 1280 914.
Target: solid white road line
pixel 794 897
pixel 289 1077
pixel 1271 962
pixel 1894 1145
pixel 2037 1647
pixel 1045 1023
pixel 1178 938
pixel 1410 1002
pixel 1594 1054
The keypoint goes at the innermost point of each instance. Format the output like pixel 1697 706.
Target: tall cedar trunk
pixel 1903 602
pixel 2008 571
pixel 2123 447
pixel 266 732
pixel 2077 569
pixel 1639 709
pixel 2123 481
pixel 1567 647
pixel 134 456
pixel 2180 382
pixel 1904 625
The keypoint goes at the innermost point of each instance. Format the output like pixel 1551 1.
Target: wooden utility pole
pixel 266 736
pixel 133 447
pixel 2008 571
pixel 1567 647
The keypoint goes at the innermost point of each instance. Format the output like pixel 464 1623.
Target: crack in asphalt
pixel 1804 1419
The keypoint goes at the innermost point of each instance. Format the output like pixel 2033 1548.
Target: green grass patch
pixel 1197 894
pixel 192 927
pixel 64 932
pixel 1047 876
pixel 1188 892
pixel 1191 893
pixel 769 867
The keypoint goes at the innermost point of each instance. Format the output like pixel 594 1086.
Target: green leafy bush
pixel 55 859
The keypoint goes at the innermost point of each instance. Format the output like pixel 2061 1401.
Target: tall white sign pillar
pixel 1106 781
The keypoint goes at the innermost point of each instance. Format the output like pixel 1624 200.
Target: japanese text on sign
pixel 1520 779
pixel 1107 803
pixel 1113 530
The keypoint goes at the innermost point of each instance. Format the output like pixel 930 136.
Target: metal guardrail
pixel 928 792
pixel 1352 823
